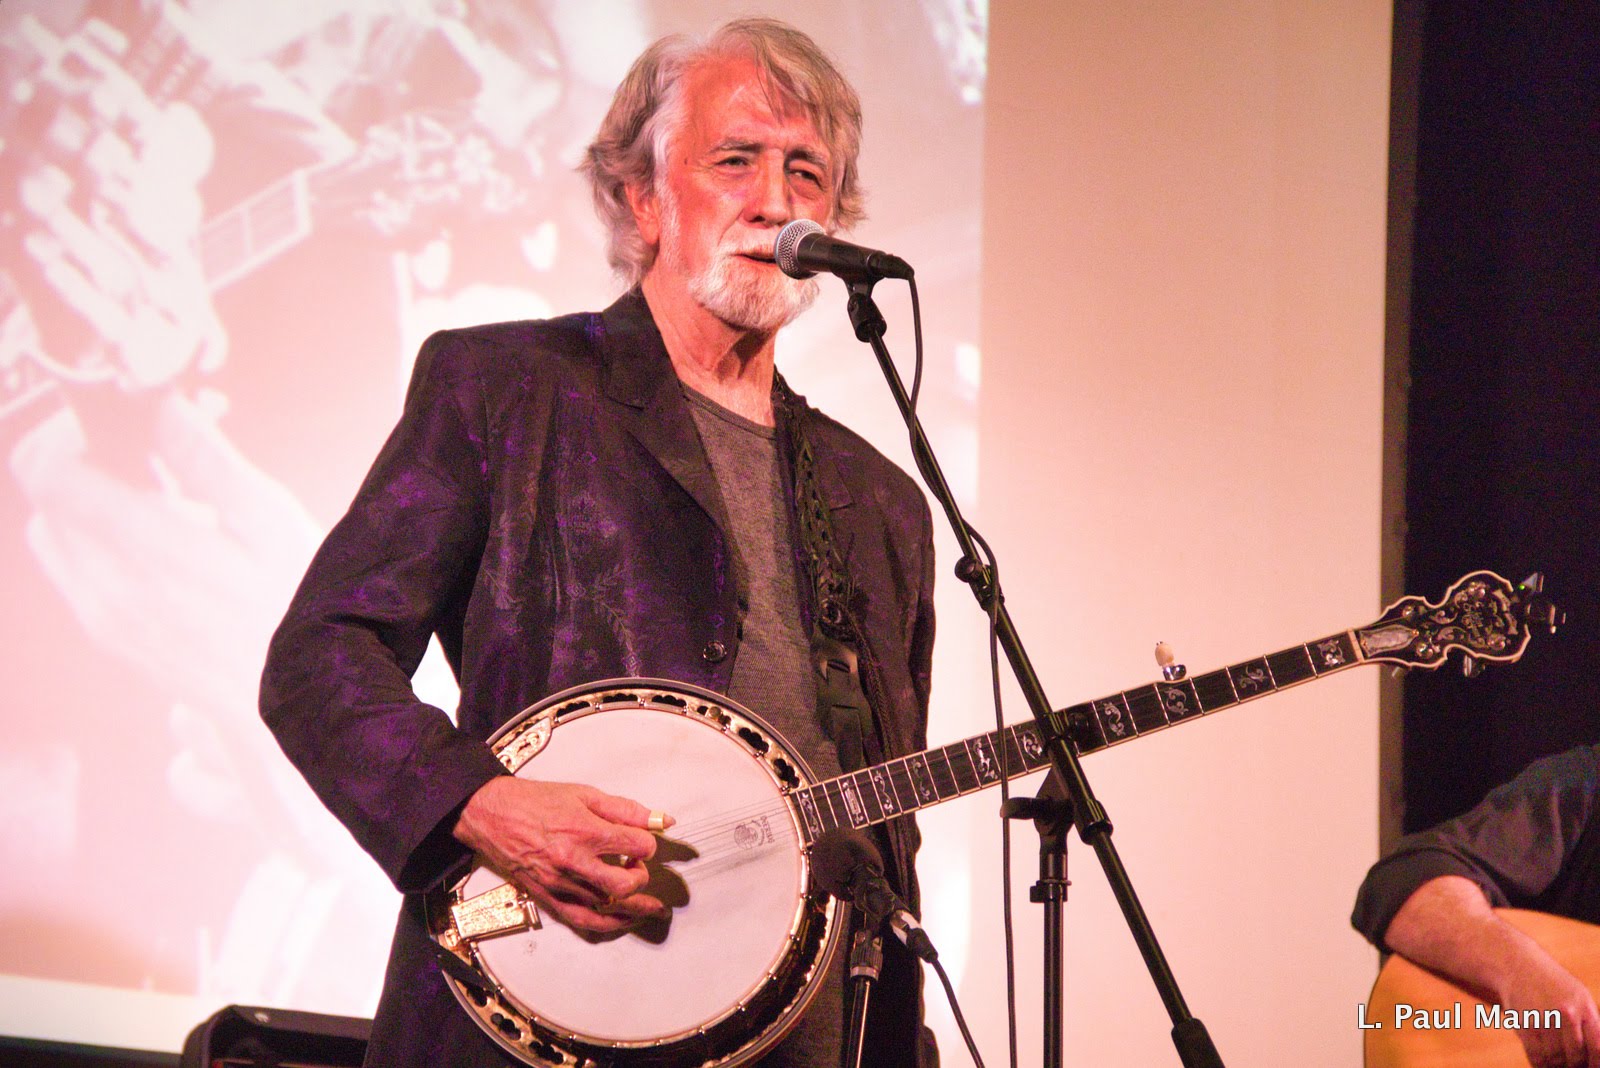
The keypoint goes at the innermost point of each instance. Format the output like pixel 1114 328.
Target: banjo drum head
pixel 731 870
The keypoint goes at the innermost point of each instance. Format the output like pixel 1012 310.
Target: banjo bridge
pixel 503 910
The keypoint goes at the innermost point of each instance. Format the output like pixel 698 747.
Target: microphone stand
pixel 1189 1035
pixel 866 962
pixel 1052 818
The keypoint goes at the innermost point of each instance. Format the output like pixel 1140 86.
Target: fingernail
pixel 660 821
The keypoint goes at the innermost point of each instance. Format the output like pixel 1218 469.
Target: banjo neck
pixel 729 982
pixel 909 783
pixel 1482 615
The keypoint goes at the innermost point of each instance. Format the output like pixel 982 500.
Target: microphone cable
pixel 992 611
pixel 955 1008
pixel 849 867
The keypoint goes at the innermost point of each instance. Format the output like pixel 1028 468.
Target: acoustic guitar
pixel 1418 1019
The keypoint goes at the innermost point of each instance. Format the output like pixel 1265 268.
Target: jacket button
pixel 714 652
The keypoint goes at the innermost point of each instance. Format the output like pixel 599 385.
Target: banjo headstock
pixel 1483 616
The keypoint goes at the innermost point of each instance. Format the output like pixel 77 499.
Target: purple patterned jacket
pixel 545 507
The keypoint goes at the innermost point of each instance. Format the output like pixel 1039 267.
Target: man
pixel 1531 843
pixel 614 495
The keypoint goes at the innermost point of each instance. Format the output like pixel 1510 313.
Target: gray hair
pixel 631 146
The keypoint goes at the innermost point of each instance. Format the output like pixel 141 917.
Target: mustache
pixel 756 247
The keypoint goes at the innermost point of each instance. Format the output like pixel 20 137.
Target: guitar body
pixel 747 943
pixel 1574 944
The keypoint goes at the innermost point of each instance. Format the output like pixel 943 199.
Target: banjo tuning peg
pixel 1538 609
pixel 1171 671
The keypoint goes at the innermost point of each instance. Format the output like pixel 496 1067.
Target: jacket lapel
pixel 639 379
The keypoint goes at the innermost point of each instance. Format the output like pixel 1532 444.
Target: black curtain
pixel 1503 441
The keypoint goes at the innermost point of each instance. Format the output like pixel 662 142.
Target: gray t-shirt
pixel 772 674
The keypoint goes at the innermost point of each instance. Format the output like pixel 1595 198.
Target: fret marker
pixel 1030 745
pixel 1111 714
pixel 1170 669
pixel 885 791
pixel 987 772
pixel 808 809
pixel 852 803
pixel 1249 680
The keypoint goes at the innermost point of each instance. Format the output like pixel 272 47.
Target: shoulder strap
pixel 838 655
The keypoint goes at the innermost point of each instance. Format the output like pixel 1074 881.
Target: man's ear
pixel 646 213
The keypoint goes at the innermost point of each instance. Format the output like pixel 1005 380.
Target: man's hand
pixel 1448 926
pixel 549 838
pixel 1537 982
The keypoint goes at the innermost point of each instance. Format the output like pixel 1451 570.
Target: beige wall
pixel 1182 337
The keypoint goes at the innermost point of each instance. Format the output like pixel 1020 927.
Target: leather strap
pixel 838 654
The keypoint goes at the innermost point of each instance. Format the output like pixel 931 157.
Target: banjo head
pixel 745 947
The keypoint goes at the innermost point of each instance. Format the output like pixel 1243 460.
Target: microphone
pixel 849 867
pixel 802 249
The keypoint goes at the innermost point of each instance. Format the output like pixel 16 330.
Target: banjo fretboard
pixel 906 784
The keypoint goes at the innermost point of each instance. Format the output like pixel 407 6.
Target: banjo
pixel 749 937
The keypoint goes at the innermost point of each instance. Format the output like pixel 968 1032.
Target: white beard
pixel 739 296
pixel 739 293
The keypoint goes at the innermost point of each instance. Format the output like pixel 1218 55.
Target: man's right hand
pixel 550 838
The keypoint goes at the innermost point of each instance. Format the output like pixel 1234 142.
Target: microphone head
pixel 786 253
pixel 838 857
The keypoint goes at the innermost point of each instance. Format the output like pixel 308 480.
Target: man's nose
pixel 770 198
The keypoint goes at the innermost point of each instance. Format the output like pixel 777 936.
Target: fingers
pixel 622 810
pixel 592 881
pixel 1574 1044
pixel 632 826
pixel 619 841
pixel 621 892
pixel 553 840
pixel 583 905
pixel 618 917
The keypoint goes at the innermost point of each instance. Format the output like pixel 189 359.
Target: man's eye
pixel 810 176
pixel 734 161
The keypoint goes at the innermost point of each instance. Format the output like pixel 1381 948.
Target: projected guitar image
pixel 403 178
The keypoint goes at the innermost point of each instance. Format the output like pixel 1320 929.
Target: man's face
pixel 742 163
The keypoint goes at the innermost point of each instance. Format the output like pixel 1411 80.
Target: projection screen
pixel 229 226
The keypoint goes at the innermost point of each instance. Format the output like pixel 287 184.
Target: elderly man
pixel 629 493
